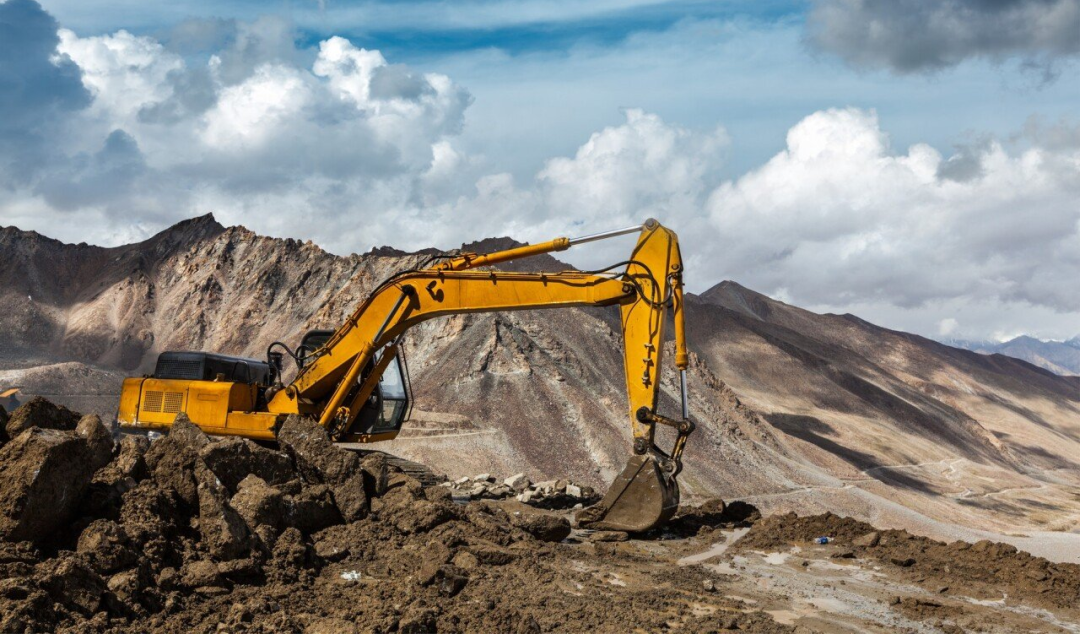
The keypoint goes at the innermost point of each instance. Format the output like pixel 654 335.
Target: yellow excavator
pixel 354 383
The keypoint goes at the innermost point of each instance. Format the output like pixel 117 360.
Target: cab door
pixel 386 410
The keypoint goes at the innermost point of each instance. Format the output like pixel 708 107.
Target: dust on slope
pixel 76 385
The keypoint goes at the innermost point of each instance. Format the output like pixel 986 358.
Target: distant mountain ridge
pixel 1060 357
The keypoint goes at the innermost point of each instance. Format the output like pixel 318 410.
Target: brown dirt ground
pixel 191 534
pixel 983 570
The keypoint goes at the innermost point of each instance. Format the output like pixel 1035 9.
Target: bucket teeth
pixel 640 499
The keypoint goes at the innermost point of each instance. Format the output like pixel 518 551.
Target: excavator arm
pixel 336 383
pixel 344 372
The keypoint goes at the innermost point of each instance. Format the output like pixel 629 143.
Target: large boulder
pixel 111 482
pixel 289 559
pixel 544 526
pixel 171 460
pixel 43 475
pixel 233 459
pixel 129 462
pixel 105 546
pixel 224 532
pixel 43 414
pixel 317 459
pixel 320 461
pixel 72 584
pixel 259 504
pixel 200 574
pixel 376 474
pixel 151 516
pixel 99 440
pixel 351 499
pixel 131 592
pixel 311 510
pixel 406 507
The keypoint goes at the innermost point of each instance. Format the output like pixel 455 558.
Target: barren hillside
pixel 798 411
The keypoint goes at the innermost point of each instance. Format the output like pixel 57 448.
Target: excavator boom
pixel 340 379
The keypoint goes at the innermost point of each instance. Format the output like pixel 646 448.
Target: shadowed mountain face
pixel 795 410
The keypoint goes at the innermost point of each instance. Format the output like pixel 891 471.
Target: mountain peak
pixel 1024 339
pixel 492 244
pixel 188 231
pixel 736 297
pixel 1061 357
pixel 205 222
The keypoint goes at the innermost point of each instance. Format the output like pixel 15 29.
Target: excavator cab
pixel 312 341
pixel 387 408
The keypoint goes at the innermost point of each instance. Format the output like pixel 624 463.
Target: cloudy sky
pixel 916 163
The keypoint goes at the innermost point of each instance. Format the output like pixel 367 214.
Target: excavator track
pixel 421 472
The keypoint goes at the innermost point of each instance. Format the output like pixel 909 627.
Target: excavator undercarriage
pixel 354 380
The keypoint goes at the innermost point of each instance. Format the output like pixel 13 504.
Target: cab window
pixel 395 399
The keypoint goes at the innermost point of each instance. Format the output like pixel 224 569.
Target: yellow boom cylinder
pixel 472 260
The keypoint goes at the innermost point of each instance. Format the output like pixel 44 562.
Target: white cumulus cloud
pixel 841 217
pixel 263 106
pixel 122 71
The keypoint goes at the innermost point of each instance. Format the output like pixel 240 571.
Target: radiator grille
pixel 174 402
pixel 166 402
pixel 152 401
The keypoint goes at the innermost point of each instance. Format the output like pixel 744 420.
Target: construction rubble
pixel 549 494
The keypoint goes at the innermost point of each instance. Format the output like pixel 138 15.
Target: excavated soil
pixel 984 570
pixel 192 534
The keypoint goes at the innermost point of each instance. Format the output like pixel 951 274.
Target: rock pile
pixel 124 536
pixel 550 494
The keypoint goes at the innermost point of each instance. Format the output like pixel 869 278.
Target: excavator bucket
pixel 641 498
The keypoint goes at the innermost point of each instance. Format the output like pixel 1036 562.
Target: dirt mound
pixel 45 471
pixel 711 516
pixel 983 570
pixel 188 519
pixel 193 534
pixel 41 413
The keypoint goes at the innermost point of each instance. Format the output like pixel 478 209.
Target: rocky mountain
pixel 1060 357
pixel 797 411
